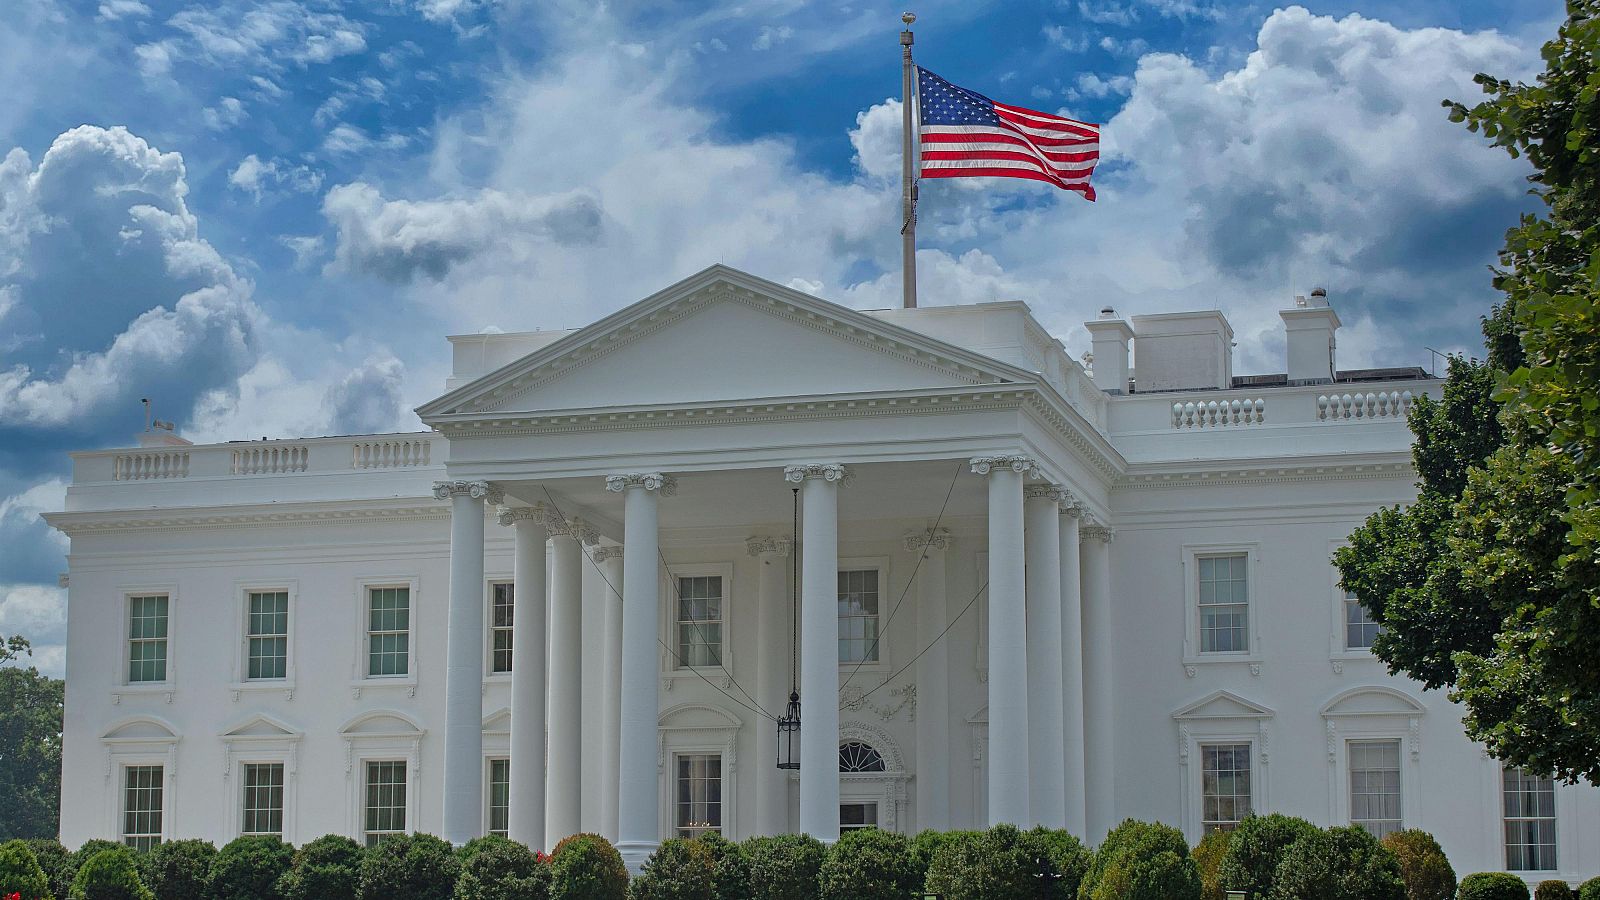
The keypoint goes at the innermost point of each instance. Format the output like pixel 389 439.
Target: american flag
pixel 965 134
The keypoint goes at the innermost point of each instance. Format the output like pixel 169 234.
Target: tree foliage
pixel 1490 583
pixel 1424 868
pixel 30 746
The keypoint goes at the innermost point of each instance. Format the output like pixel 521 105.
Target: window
pixel 1530 814
pixel 1359 626
pixel 1225 785
pixel 268 634
pixel 500 797
pixel 147 638
pixel 856 816
pixel 1224 604
pixel 263 799
pixel 700 620
pixel 699 794
pixel 1375 786
pixel 503 607
pixel 388 631
pixel 141 806
pixel 386 801
pixel 858 616
pixel 854 756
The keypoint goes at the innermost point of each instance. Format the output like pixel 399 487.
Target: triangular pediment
pixel 717 336
pixel 260 727
pixel 1223 705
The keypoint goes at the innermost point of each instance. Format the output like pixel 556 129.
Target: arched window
pixel 855 756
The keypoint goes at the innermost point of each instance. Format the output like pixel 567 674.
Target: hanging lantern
pixel 789 735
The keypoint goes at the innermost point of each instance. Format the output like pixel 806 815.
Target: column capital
pixel 574 528
pixel 825 471
pixel 759 545
pixel 1055 493
pixel 601 554
pixel 1094 529
pixel 1072 507
pixel 477 490
pixel 932 539
pixel 511 515
pixel 1023 465
pixel 650 481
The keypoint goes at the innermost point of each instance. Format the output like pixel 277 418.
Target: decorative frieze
pixel 932 539
pixel 650 481
pixel 759 545
pixel 826 471
pixel 1022 465
pixel 477 490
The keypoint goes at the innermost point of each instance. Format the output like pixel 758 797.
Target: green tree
pixel 1490 583
pixel 30 746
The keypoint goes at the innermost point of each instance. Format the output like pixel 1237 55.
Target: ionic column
pixel 464 671
pixel 774 620
pixel 1046 728
pixel 1072 670
pixel 1008 640
pixel 819 647
pixel 528 665
pixel 1099 759
pixel 610 561
pixel 563 794
pixel 933 681
pixel 638 820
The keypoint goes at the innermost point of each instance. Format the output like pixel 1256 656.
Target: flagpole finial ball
pixel 908 18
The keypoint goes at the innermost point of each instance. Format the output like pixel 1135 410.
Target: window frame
pixel 722 827
pixel 1338 653
pixel 241 655
pixel 1505 821
pixel 1400 774
pixel 361 663
pixel 407 809
pixel 1221 717
pixel 1191 555
pixel 1249 745
pixel 671 668
pixel 363 743
pixel 163 832
pixel 490 760
pixel 1374 713
pixel 886 594
pixel 876 815
pixel 125 685
pixel 490 583
pixel 283 796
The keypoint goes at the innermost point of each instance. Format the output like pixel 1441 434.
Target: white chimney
pixel 1183 351
pixel 1110 336
pixel 1310 328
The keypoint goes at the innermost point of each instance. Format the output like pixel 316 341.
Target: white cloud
pixel 258 36
pixel 113 10
pixel 1107 12
pixel 770 36
pixel 1092 85
pixel 1130 47
pixel 255 177
pixel 1070 40
pixel 39 613
pixel 228 112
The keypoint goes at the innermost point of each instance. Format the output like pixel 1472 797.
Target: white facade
pixel 1094 601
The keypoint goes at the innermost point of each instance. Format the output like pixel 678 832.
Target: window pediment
pixel 141 729
pixel 1222 705
pixel 1373 700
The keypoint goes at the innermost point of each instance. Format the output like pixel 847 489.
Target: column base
pixel 634 854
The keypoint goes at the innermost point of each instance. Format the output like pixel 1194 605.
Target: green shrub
pixel 1208 860
pixel 730 873
pixel 1423 866
pixel 869 863
pixel 678 870
pixel 1142 861
pixel 413 866
pixel 1069 861
pixel 502 870
pixel 587 867
pixel 179 870
pixel 1345 863
pixel 248 868
pixel 467 851
pixel 927 843
pixel 20 872
pixel 784 867
pixel 1553 890
pixel 52 858
pixel 1000 864
pixel 1589 890
pixel 111 873
pixel 1253 852
pixel 1493 886
pixel 329 866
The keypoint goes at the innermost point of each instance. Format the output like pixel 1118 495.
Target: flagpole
pixel 908 183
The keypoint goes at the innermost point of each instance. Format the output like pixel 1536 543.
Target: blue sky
pixel 266 214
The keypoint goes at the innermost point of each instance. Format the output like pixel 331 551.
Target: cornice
pixel 335 512
pixel 1230 472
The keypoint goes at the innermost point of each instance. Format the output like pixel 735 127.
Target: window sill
pixel 1339 659
pixel 163 689
pixel 717 675
pixel 381 682
pixel 1192 663
pixel 263 686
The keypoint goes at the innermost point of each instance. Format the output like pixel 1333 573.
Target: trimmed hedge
pixel 928 843
pixel 179 870
pixel 502 870
pixel 1253 853
pixel 1552 889
pixel 413 866
pixel 679 870
pixel 1002 863
pixel 1589 890
pixel 248 868
pixel 52 858
pixel 61 880
pixel 784 867
pixel 1069 859
pixel 1337 864
pixel 730 873
pixel 1142 861
pixel 329 866
pixel 587 867
pixel 1423 865
pixel 869 863
pixel 1493 886
pixel 110 874
pixel 20 873
pixel 1208 859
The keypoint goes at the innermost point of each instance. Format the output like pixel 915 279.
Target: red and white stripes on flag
pixel 965 134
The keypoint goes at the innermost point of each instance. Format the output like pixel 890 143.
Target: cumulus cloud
pixel 228 112
pixel 255 177
pixel 39 613
pixel 398 240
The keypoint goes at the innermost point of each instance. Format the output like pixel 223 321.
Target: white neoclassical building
pixel 1025 593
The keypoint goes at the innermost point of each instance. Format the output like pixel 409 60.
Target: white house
pixel 1026 594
